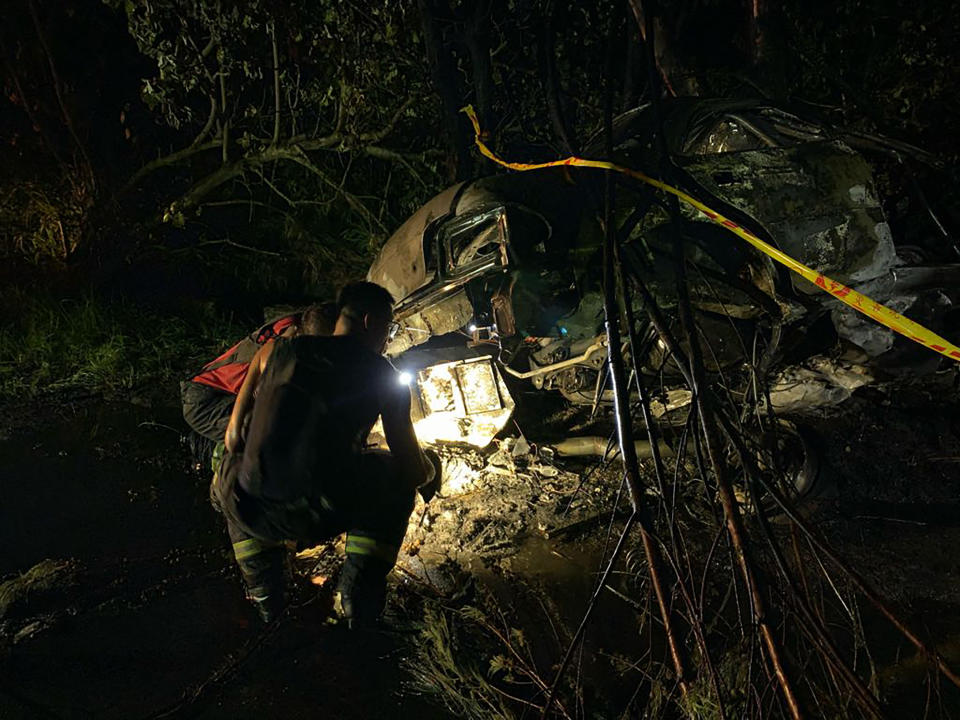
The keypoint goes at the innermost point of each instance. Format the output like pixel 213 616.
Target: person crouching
pixel 299 470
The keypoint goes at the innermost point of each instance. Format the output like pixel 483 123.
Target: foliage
pixel 284 110
pixel 483 660
pixel 888 63
pixel 42 577
pixel 50 185
pixel 445 667
pixel 44 223
pixel 356 123
pixel 52 344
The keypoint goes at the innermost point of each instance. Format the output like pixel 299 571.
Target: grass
pixel 478 660
pixel 448 666
pixel 45 575
pixel 54 344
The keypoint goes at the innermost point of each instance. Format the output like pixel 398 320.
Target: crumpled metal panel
pixel 877 340
pixel 447 315
pixel 400 265
pixel 821 384
pixel 464 401
pixel 818 202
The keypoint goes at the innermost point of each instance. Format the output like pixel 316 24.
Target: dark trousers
pixel 367 502
pixel 207 412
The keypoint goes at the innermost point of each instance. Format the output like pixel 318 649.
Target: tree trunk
pixel 443 70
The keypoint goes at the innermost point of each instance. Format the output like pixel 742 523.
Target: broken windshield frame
pixel 465 247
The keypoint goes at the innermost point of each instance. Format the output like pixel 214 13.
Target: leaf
pixel 498 664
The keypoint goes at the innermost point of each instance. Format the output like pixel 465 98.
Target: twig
pixel 228 241
pixel 67 119
pixel 862 585
pixel 167 160
pixel 272 29
pixel 627 448
pixel 225 121
pixel 731 509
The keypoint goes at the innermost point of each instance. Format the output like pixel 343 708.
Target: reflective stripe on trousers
pixel 251 547
pixel 365 545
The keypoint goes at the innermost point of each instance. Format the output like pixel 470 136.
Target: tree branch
pixel 225 127
pixel 231 243
pixel 273 187
pixel 445 83
pixel 477 39
pixel 276 84
pixel 168 160
pixel 375 137
pixel 352 200
pixel 202 135
pixel 382 153
pixel 551 82
pixel 67 119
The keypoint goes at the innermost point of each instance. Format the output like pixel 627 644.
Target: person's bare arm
pixel 401 438
pixel 244 403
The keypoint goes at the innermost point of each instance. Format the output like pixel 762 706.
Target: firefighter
pixel 209 394
pixel 298 470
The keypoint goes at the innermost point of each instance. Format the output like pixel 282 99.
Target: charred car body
pixel 510 264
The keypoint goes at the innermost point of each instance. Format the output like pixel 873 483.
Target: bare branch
pixel 382 153
pixel 208 125
pixel 276 84
pixel 375 137
pixel 231 243
pixel 273 187
pixel 67 119
pixel 321 143
pixel 168 160
pixel 225 127
pixel 353 201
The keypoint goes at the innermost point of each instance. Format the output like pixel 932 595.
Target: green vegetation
pixel 445 666
pixel 482 660
pixel 108 346
pixel 46 575
pixel 44 222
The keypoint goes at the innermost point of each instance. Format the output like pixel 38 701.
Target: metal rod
pixel 587 354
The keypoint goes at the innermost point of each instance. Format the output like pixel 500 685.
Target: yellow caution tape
pixel 858 301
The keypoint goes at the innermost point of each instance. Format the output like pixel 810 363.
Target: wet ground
pixel 142 615
pixel 145 617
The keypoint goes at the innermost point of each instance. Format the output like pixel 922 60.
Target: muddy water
pixel 567 573
pixel 152 619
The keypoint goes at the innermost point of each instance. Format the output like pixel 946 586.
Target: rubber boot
pixel 267 601
pixel 362 590
pixel 262 568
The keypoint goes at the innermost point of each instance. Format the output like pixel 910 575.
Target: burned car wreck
pixel 500 278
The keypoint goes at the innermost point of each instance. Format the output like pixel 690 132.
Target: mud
pixel 134 608
pixel 151 619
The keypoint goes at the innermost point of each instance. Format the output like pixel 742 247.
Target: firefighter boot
pixel 267 601
pixel 261 565
pixel 363 584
